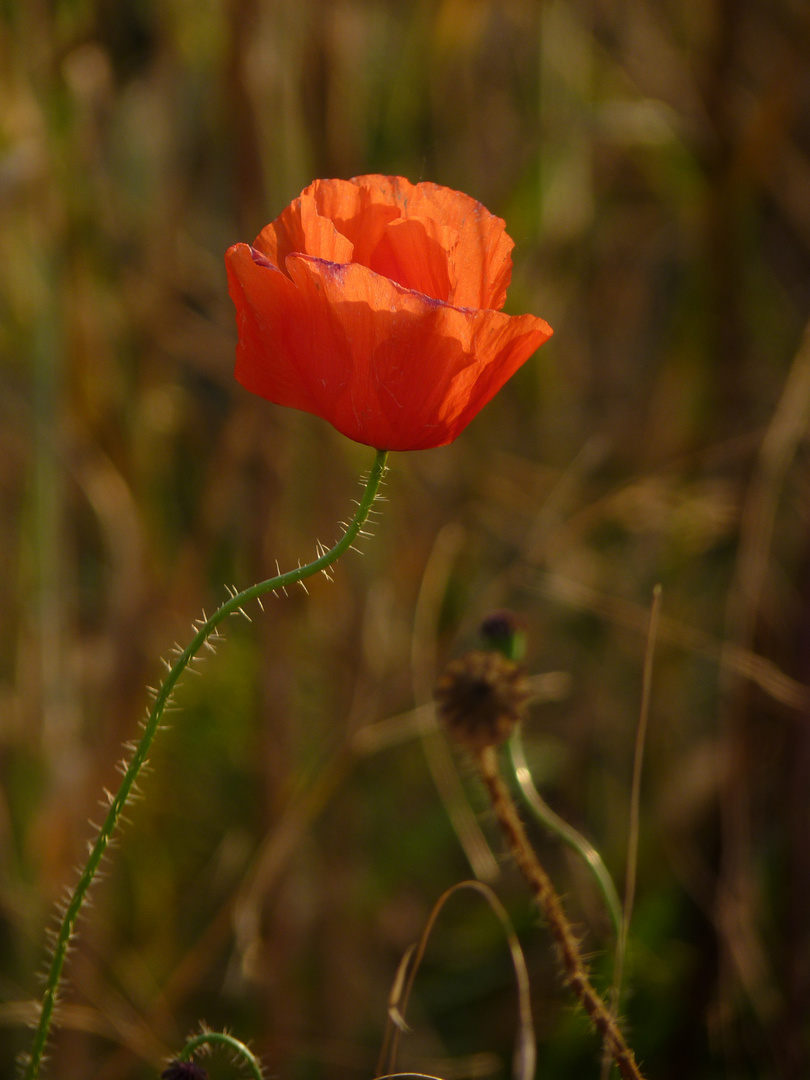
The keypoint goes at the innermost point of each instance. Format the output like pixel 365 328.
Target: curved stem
pixel 567 833
pixel 205 629
pixel 223 1039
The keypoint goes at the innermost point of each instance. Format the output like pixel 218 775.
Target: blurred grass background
pixel 652 161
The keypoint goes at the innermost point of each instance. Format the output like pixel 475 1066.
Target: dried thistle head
pixel 480 698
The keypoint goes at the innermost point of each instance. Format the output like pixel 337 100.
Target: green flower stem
pixel 205 629
pixel 567 833
pixel 223 1039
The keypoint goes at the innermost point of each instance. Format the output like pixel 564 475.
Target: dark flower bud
pixel 480 699
pixel 184 1070
pixel 506 632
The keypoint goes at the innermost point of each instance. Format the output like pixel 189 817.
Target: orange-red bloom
pixel 375 304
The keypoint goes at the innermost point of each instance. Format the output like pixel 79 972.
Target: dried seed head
pixel 480 698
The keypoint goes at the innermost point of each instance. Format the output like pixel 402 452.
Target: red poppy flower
pixel 375 304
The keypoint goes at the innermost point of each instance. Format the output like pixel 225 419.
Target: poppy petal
pixel 417 253
pixel 301 228
pixel 269 320
pixel 483 253
pixel 418 370
pixel 386 366
pixel 360 213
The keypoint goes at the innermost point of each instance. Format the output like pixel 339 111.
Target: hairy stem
pixel 205 629
pixel 576 973
pixel 222 1038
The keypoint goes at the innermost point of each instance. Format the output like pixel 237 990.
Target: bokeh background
pixel 652 161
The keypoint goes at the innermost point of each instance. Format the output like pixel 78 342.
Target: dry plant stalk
pixel 576 974
pixel 480 700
